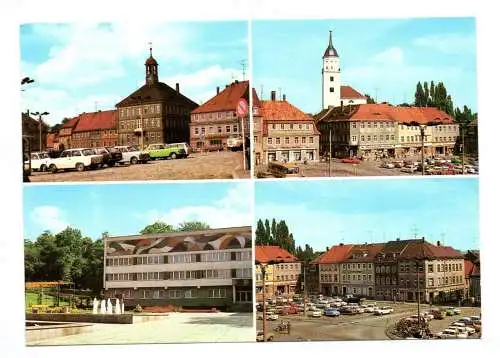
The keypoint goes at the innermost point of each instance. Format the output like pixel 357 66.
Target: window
pixel 431 282
pixel 430 268
pixel 278 140
pixel 269 140
pixel 354 138
pixel 311 140
pixel 331 89
pixel 287 140
pixel 374 137
pixel 392 137
pixel 303 140
pixel 369 138
pixel 331 78
pixel 296 140
pixel 235 128
pixel 362 138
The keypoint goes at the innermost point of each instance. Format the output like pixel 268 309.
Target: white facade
pixel 353 101
pixel 331 77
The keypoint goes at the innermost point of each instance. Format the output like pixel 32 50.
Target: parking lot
pixel 211 165
pixel 364 168
pixel 363 326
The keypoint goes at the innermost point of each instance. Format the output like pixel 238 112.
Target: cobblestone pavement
pixel 212 165
pixel 175 328
pixel 365 326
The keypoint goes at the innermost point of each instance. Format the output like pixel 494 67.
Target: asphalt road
pixel 212 165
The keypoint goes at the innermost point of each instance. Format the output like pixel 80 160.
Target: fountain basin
pixel 41 330
pixel 126 318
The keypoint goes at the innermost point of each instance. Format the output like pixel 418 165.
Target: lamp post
pixel 329 151
pixel 40 126
pixel 263 266
pixel 422 136
pixel 305 286
pixel 462 125
pixel 417 263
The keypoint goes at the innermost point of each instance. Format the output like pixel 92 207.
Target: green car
pixel 167 151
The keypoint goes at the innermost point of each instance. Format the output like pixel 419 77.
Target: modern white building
pixel 201 269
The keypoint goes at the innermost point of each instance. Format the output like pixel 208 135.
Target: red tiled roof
pixel 335 255
pixel 384 112
pixel 423 250
pixel 365 252
pixel 282 110
pixel 349 92
pixel 97 120
pixel 226 100
pixel 264 254
pixel 468 267
pixel 71 123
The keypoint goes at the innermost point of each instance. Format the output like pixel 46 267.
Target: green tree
pixel 273 232
pixel 267 239
pixel 426 100
pixel 369 99
pixel 260 233
pixel 193 226
pixel 419 95
pixel 158 227
pixel 431 94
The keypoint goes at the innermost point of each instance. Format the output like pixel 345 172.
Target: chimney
pixel 439 243
pixel 177 87
pixel 236 81
pixel 273 95
pixel 341 106
pixel 284 97
pixel 341 244
pixel 217 89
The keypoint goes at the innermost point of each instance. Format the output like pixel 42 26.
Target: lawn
pixel 31 298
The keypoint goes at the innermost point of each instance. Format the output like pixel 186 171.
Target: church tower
pixel 151 69
pixel 331 76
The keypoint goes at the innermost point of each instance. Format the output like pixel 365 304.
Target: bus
pixel 26 159
pixel 284 170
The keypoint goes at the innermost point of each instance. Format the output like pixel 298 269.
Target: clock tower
pixel 331 76
pixel 151 69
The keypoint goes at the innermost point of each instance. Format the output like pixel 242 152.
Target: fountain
pixel 122 307
pixel 103 306
pixel 117 306
pixel 94 306
pixel 109 307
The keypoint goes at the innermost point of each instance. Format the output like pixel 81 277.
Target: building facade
pixel 288 134
pixel 376 131
pixel 36 130
pixel 215 121
pixel 282 272
pixel 96 129
pixel 211 268
pixel 66 132
pixel 330 269
pixel 471 139
pixel 358 271
pixel 155 113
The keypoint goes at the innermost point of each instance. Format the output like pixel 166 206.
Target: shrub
pixel 138 308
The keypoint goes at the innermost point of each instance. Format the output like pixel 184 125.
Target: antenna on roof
pixel 376 94
pixel 342 236
pixel 261 91
pixel 442 238
pixel 243 67
pixel 414 231
pixel 95 105
pixel 279 93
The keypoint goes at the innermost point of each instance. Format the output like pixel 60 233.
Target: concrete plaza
pixel 174 328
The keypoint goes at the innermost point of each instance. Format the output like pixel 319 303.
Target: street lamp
pixel 263 266
pixel 40 126
pixel 417 265
pixel 422 136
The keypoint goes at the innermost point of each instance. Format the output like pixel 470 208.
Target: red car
pixel 290 310
pixel 351 160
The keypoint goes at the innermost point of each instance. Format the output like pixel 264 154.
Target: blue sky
pixel 124 209
pixel 79 67
pixel 324 213
pixel 388 54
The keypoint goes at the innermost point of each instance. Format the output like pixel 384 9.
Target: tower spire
pixel 330 41
pixel 150 49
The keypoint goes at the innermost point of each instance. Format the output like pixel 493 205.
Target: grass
pixel 31 299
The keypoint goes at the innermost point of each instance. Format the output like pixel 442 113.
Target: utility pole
pixel 418 292
pixel 305 289
pixel 261 92
pixel 330 150
pixel 462 125
pixel 243 68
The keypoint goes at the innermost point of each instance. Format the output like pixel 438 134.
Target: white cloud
pixel 234 209
pixel 451 43
pixel 390 57
pixel 48 218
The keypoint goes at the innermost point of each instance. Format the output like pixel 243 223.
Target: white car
pixel 461 331
pixel 132 155
pixel 384 310
pixel 316 313
pixel 467 329
pixel 40 161
pixel 272 317
pixel 77 158
pixel 370 308
pixel 450 333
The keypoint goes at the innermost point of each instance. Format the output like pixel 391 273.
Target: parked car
pixel 271 316
pixel 450 333
pixel 467 329
pixel 315 313
pixel 450 311
pixel 461 331
pixel 346 310
pixel 77 158
pixel 388 165
pixel 166 151
pixel 351 160
pixel 286 310
pixel 235 143
pixel 370 308
pixel 132 155
pixel 437 314
pixel 110 156
pixel 409 169
pixel 40 161
pixel 457 311
pixel 331 312
pixel 260 336
pixel 384 310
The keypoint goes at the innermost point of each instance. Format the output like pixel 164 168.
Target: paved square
pixel 175 328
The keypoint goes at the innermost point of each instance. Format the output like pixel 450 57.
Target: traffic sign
pixel 242 108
